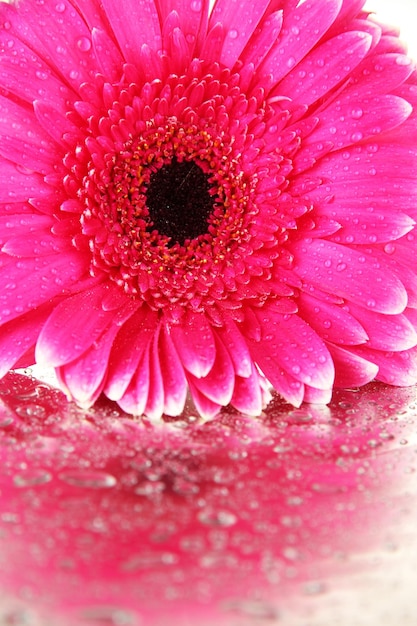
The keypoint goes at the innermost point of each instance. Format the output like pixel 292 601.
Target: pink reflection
pixel 108 520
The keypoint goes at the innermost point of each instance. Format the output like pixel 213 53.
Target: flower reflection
pixel 106 520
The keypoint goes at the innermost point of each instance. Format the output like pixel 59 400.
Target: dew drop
pixel 389 248
pixel 233 33
pixel 90 479
pixel 60 7
pixel 340 267
pixel 291 62
pixel 196 6
pixel 357 113
pixel 84 44
pixel 371 303
pixel 403 60
pixel 357 136
pixel 41 75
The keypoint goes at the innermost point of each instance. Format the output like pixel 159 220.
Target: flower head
pixel 206 202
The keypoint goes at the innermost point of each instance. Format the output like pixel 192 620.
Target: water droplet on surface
pixel 31 410
pixel 90 479
pixel 148 560
pixel 233 33
pixel 31 478
pixel 107 616
pixel 150 488
pixel 60 7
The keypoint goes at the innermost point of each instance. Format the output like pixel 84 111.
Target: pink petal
pixel 302 29
pixel 395 368
pixel 194 341
pixel 193 18
pixel 128 350
pixel 262 40
pixel 22 139
pixel 205 407
pixel 218 384
pixel 386 332
pixel 134 23
pixel 35 244
pixel 237 347
pixel 348 123
pixel 366 177
pixel 378 74
pixel 350 274
pixel 19 184
pixel 53 122
pixel 247 394
pixel 135 397
pixel 174 381
pixel 331 322
pixel 107 54
pixel 20 224
pixel 84 377
pixel 351 369
pixel 32 76
pixel 65 43
pixel 294 347
pixel 239 19
pixel 317 396
pixel 325 67
pixel 18 336
pixel 367 225
pixel 213 44
pixel 291 389
pixel 27 283
pixel 156 394
pixel 74 325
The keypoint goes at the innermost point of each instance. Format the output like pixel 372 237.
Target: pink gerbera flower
pixel 206 202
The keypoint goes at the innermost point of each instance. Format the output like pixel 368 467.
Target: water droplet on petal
pixel 357 136
pixel 357 113
pixel 84 44
pixel 233 33
pixel 403 60
pixel 196 6
pixel 389 248
pixel 60 7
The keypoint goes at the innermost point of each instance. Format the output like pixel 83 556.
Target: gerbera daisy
pixel 213 202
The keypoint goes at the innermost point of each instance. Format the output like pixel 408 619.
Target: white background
pixel 402 13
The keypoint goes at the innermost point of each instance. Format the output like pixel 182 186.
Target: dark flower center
pixel 179 201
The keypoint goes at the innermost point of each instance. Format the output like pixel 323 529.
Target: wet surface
pixel 303 517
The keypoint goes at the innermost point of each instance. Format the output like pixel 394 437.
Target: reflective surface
pixel 304 517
